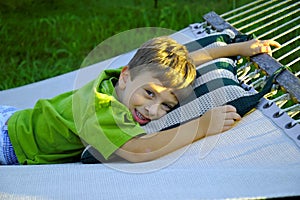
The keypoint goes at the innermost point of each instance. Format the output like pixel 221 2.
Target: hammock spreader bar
pixel 286 79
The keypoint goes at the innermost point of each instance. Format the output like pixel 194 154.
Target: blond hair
pixel 167 59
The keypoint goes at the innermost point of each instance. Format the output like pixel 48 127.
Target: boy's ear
pixel 124 76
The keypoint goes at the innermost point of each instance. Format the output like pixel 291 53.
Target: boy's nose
pixel 152 110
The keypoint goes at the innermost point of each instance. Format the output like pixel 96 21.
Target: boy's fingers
pixel 229 111
pixel 233 116
pixel 228 122
pixel 273 43
pixel 229 108
pixel 270 43
pixel 226 128
pixel 237 116
pixel 265 49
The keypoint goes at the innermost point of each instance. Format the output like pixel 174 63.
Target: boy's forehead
pixel 146 78
pixel 160 88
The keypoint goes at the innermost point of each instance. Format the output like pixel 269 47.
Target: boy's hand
pixel 152 146
pixel 253 47
pixel 219 119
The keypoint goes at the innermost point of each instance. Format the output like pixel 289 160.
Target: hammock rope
pixel 258 13
pixel 270 18
pixel 277 20
pixel 244 12
pixel 271 22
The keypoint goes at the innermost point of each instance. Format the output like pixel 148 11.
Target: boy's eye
pixel 167 107
pixel 149 93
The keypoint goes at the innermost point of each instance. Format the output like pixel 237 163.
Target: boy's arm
pixel 248 48
pixel 155 145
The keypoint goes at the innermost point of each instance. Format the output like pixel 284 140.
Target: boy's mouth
pixel 138 117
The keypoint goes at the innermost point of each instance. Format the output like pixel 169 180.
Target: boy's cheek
pixel 137 100
pixel 161 114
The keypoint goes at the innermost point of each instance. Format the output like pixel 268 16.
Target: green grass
pixel 45 38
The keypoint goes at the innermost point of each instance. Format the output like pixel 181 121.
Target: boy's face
pixel 145 96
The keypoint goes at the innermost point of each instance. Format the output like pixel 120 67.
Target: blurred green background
pixel 44 38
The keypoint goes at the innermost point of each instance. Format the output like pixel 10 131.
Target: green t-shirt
pixel 54 130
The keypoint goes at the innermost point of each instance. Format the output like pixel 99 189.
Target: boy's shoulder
pixel 106 81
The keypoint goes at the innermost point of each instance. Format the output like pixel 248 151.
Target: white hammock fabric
pixel 255 159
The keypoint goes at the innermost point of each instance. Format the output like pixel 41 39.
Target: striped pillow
pixel 216 84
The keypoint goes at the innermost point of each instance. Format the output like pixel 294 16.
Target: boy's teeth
pixel 139 115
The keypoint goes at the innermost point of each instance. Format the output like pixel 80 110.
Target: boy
pixel 107 112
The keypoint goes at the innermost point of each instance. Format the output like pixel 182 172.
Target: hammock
pixel 258 158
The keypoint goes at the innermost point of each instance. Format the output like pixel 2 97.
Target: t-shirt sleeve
pixel 105 123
